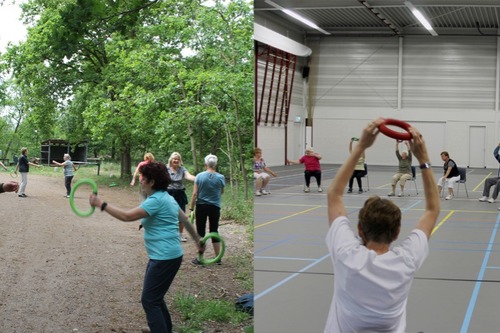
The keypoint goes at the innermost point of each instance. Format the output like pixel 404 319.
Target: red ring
pixel 394 134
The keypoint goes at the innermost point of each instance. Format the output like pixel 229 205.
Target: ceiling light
pixel 297 17
pixel 421 18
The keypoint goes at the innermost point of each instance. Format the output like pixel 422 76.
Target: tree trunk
pixel 241 152
pixel 126 164
pixel 193 147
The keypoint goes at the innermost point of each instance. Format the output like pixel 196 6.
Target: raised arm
pixel 136 172
pixel 428 220
pixel 318 156
pixel 189 176
pixel 292 162
pixel 336 189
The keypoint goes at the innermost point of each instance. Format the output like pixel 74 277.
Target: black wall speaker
pixel 305 72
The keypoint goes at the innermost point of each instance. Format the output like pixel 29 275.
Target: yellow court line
pixel 442 221
pixel 286 217
pixel 482 181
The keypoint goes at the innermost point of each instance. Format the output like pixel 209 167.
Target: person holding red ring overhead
pixel 372 277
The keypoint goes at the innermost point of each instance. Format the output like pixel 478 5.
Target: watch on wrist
pixel 425 166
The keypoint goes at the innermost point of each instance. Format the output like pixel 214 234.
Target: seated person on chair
pixel 260 173
pixel 492 181
pixel 359 170
pixel 404 170
pixel 373 277
pixel 312 168
pixel 451 175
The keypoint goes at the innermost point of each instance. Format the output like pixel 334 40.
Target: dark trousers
pixel 210 212
pixel 158 278
pixel 493 181
pixel 316 174
pixel 67 183
pixel 357 174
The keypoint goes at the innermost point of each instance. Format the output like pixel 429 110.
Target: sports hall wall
pixel 447 86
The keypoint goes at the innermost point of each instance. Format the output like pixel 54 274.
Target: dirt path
pixel 62 273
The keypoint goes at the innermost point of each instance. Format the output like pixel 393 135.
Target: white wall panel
pixel 448 85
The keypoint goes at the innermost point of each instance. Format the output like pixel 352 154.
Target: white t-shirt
pixel 371 290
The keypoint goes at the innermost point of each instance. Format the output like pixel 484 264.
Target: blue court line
pixel 475 293
pixel 274 244
pixel 268 290
pixel 312 264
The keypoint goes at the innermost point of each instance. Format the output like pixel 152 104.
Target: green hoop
pixel 72 197
pixel 191 217
pixel 215 236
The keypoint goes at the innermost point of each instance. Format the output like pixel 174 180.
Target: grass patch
pixel 194 312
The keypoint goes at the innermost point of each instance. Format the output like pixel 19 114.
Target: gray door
pixel 477 142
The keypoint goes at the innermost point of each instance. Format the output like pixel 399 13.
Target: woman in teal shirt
pixel 160 216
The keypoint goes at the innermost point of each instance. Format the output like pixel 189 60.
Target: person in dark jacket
pixel 23 166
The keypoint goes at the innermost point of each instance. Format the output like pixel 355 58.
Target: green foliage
pixel 237 207
pixel 118 74
pixel 194 312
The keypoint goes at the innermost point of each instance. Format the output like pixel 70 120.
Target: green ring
pixel 72 197
pixel 191 217
pixel 216 236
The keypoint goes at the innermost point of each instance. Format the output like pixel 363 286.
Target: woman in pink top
pixel 148 157
pixel 313 168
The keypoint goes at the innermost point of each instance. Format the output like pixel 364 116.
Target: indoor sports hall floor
pixel 456 290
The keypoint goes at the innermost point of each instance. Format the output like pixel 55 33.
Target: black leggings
pixel 357 174
pixel 316 173
pixel 211 212
pixel 67 183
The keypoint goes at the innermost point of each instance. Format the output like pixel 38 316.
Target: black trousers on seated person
pixel 308 174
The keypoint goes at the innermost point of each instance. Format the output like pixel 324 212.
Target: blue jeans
pixel 158 278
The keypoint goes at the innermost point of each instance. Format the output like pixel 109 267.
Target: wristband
pixel 104 205
pixel 425 166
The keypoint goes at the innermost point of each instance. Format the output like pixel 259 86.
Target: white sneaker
pixel 491 200
pixel 265 192
pixel 400 194
pixel 449 197
pixel 483 199
pixel 306 189
pixel 257 193
pixel 320 189
pixel 391 194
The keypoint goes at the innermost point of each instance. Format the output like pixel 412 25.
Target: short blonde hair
pixel 149 157
pixel 174 155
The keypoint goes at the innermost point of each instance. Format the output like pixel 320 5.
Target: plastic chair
pixel 366 177
pixel 463 180
pixel 414 178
